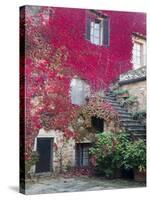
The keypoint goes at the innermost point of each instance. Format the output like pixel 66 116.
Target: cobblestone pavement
pixel 54 185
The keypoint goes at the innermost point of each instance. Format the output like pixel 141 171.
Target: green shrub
pixel 34 157
pixel 135 156
pixel 109 151
pixel 139 115
pixel 130 100
pixel 115 151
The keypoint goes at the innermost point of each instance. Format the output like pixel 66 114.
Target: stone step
pixel 116 104
pixel 124 117
pixel 139 136
pixel 123 113
pixel 137 130
pixel 128 120
pixel 107 98
pixel 131 121
pixel 133 125
pixel 120 109
pixel 110 95
pixel 110 98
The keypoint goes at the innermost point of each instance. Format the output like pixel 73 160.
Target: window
pixel 97 123
pixel 79 91
pixel 139 52
pixel 82 154
pixel 97 31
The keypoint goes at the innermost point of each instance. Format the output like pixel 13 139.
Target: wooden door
pixel 45 151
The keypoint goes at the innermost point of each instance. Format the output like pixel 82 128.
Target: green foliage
pixel 109 151
pixel 113 151
pixel 130 100
pixel 135 156
pixel 109 173
pixel 120 91
pixel 34 157
pixel 139 115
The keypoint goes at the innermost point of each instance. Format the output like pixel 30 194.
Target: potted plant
pixel 135 158
pixel 140 116
pixel 121 93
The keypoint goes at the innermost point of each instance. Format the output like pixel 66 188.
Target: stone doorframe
pixel 44 134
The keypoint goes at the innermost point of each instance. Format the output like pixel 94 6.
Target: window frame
pixel 93 30
pixel 142 45
pixel 80 91
pixel 105 30
pixel 138 59
pixel 80 154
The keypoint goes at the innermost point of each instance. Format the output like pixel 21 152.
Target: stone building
pixel 55 152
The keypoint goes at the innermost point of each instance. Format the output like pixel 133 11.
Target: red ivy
pixel 64 30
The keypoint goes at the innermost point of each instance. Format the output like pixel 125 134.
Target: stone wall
pixel 111 127
pixel 137 89
pixel 60 146
pixel 135 82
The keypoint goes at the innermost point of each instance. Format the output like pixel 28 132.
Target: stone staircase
pixel 135 129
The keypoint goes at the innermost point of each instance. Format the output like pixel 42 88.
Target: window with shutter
pixel 98 31
pixel 106 31
pixel 88 27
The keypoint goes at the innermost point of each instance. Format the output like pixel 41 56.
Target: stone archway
pixel 100 109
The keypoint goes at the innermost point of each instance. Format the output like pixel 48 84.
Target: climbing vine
pixel 55 50
pixel 96 107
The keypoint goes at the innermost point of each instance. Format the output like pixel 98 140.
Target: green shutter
pixel 88 28
pixel 106 31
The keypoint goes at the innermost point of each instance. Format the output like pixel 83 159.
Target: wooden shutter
pixel 79 155
pixel 106 31
pixel 88 28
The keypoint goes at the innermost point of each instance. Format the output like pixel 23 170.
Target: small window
pixel 97 31
pixel 97 123
pixel 82 154
pixel 139 53
pixel 80 90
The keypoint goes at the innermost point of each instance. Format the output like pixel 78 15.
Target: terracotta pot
pixel 123 95
pixel 139 176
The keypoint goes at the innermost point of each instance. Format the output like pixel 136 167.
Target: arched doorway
pixel 97 123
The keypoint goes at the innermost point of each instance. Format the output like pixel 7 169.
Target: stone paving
pixel 55 185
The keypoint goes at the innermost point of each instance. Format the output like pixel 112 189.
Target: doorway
pixel 97 123
pixel 45 152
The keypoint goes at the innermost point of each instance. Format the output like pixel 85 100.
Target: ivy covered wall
pixel 100 65
pixel 55 51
